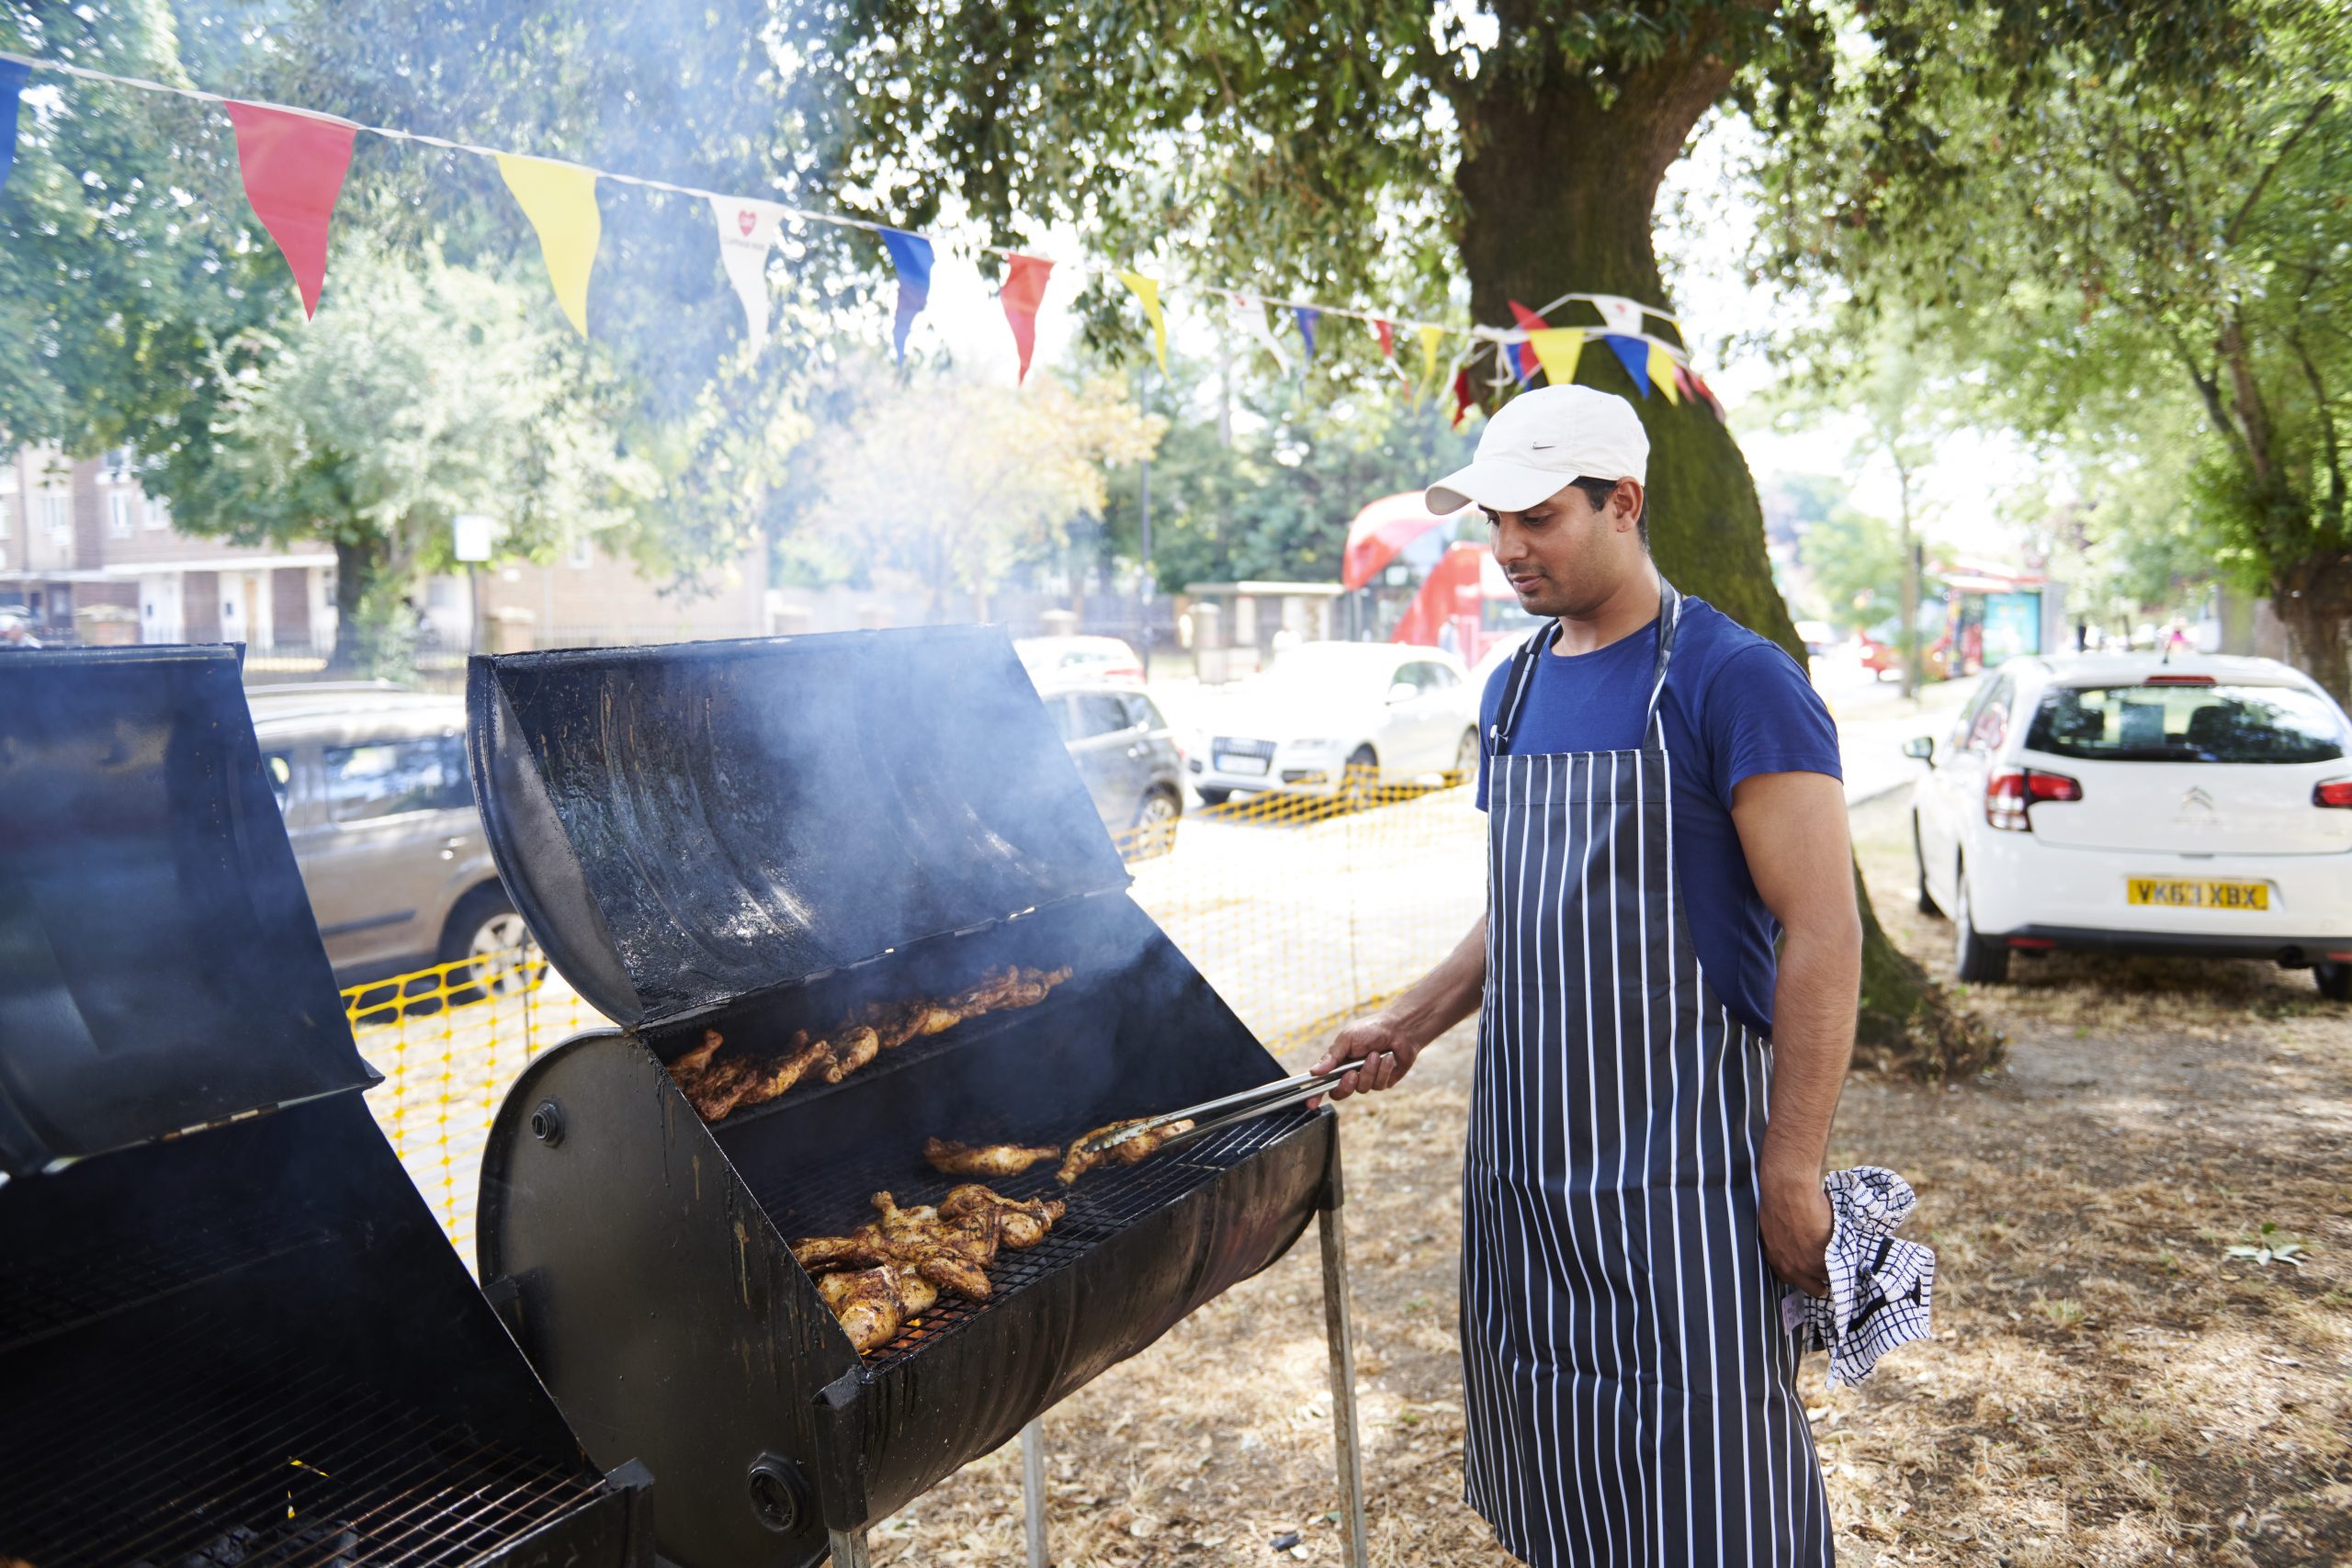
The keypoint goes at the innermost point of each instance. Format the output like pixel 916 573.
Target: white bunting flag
pixel 1621 315
pixel 1249 315
pixel 747 231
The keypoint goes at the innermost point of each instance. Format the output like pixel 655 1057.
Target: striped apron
pixel 1628 1384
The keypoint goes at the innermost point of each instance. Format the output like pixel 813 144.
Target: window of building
pixel 118 505
pixel 117 464
pixel 582 556
pixel 8 473
pixel 386 778
pixel 57 514
pixel 159 514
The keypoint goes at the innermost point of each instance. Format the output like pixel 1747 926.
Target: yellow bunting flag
pixel 560 202
pixel 1430 338
pixel 1147 290
pixel 1662 372
pixel 1557 350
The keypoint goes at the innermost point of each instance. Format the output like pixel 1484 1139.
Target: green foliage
pixel 429 391
pixel 1856 563
pixel 1274 501
pixel 2143 226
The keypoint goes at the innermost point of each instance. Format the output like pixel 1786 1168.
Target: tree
pixel 1377 149
pixel 1258 477
pixel 952 482
pixel 2134 236
pixel 1856 566
pixel 426 391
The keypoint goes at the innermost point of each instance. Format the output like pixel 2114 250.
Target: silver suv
pixel 372 780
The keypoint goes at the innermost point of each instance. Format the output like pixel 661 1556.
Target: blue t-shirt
pixel 1734 705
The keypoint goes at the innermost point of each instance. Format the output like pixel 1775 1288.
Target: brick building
pixel 90 556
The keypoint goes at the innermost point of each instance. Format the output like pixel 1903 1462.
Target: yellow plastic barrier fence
pixel 1301 911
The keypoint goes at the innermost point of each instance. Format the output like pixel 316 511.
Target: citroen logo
pixel 2197 797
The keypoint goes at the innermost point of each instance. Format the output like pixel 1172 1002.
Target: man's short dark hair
pixel 1597 492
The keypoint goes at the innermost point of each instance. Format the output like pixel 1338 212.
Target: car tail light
pixel 2010 794
pixel 2333 792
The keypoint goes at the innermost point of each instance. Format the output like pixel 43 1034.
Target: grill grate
pixel 214 1449
pixel 104 1275
pixel 1102 1202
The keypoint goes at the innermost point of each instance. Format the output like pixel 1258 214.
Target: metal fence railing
pixel 1300 911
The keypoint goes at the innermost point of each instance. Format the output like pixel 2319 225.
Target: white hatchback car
pixel 2200 806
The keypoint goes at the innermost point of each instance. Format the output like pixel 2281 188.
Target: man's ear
pixel 1625 504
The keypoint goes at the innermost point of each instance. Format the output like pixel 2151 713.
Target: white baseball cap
pixel 1538 441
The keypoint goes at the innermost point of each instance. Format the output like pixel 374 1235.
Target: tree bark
pixel 2312 599
pixel 1558 182
pixel 355 573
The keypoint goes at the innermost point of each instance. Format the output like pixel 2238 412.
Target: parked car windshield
pixel 2186 724
pixel 1334 663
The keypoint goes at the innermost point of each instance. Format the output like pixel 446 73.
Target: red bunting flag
pixel 293 167
pixel 1464 399
pixel 1388 341
pixel 1024 292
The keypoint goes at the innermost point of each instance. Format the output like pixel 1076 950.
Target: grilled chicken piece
pixel 1135 1151
pixel 696 1060
pixel 851 1052
pixel 985 1159
pixel 867 1305
pixel 1018 1225
pixel 818 1254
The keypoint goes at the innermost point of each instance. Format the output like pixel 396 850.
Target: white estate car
pixel 1340 718
pixel 2127 803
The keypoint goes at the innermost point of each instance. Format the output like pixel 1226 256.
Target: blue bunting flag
pixel 911 254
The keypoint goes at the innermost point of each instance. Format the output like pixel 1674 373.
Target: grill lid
pixel 159 966
pixel 685 825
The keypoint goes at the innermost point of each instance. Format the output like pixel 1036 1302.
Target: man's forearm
pixel 1447 993
pixel 1813 1043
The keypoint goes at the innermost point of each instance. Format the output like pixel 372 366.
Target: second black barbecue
pixel 766 836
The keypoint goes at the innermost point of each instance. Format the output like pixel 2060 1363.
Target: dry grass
pixel 2106 1386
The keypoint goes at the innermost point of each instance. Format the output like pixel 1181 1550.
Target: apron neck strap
pixel 1523 673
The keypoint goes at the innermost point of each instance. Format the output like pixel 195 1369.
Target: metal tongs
pixel 1212 1115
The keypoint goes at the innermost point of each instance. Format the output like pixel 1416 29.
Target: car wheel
pixel 1974 959
pixel 1920 857
pixel 1155 830
pixel 1466 760
pixel 2334 981
pixel 1359 779
pixel 1213 796
pixel 495 944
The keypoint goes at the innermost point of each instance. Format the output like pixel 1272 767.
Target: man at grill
pixel 1652 1091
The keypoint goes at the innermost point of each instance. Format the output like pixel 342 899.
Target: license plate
pixel 1227 762
pixel 2186 893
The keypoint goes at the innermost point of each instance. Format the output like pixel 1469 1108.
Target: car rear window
pixel 2186 724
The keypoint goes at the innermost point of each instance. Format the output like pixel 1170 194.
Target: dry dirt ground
pixel 2108 1384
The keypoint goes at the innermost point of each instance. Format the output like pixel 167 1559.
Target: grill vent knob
pixel 547 1123
pixel 779 1493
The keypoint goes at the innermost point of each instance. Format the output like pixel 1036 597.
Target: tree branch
pixel 2327 434
pixel 2262 181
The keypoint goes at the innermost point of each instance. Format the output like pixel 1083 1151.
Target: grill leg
pixel 1033 1488
pixel 1343 1381
pixel 849 1548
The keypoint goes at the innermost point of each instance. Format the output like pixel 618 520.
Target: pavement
pixel 1875 719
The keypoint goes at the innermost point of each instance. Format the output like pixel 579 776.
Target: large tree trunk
pixel 2313 600
pixel 1557 187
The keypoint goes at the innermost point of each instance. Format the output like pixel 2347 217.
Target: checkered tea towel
pixel 1880 1289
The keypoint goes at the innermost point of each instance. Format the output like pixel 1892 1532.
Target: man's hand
pixel 1795 1219
pixel 1383 1046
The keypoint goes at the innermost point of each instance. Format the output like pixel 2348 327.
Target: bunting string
pixel 294 159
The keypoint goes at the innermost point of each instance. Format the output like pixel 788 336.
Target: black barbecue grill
pixel 231 1334
pixel 764 837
